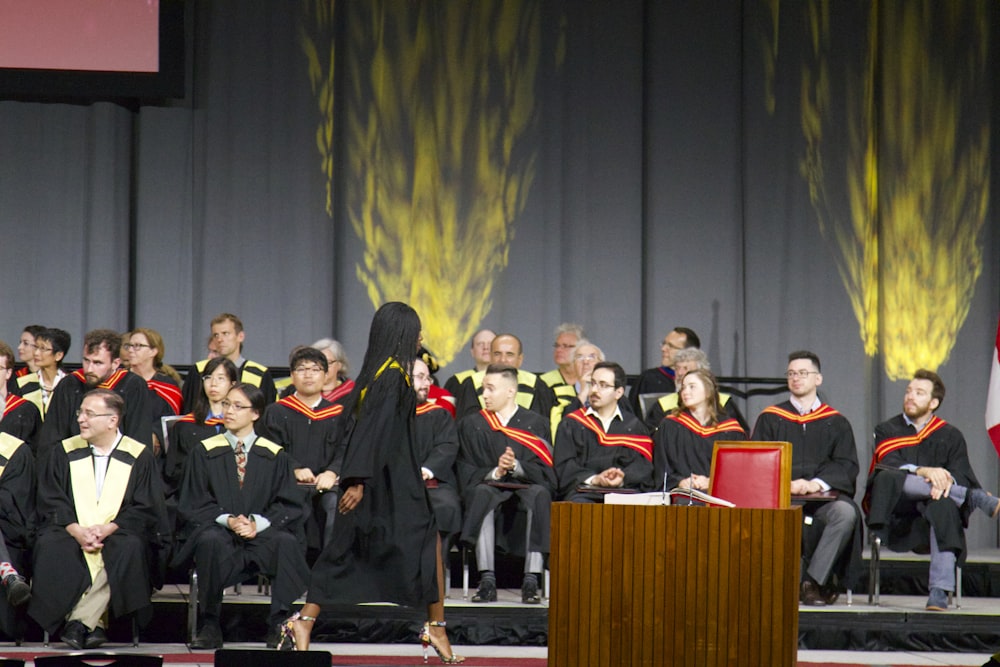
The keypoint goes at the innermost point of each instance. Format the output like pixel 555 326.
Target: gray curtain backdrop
pixel 666 192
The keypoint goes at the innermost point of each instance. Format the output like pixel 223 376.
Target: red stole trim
pixel 526 438
pixel 640 443
pixel 892 444
pixel 13 402
pixel 110 383
pixel 169 392
pixel 822 412
pixel 211 421
pixel 427 406
pixel 690 423
pixel 343 389
pixel 21 372
pixel 293 402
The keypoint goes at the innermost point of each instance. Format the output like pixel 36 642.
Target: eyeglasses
pixel 800 374
pixel 4 368
pixel 27 343
pixel 235 406
pixel 603 386
pixel 308 370
pixel 563 346
pixel 586 357
pixel 90 414
pixel 43 349
pixel 134 346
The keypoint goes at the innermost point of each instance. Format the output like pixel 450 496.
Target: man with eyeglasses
pixel 661 380
pixel 311 429
pixel 532 393
pixel 685 361
pixel 101 514
pixel 227 337
pixel 435 444
pixel 101 369
pixel 241 513
pixel 563 378
pixel 479 348
pixel 18 417
pixel 824 473
pixel 601 448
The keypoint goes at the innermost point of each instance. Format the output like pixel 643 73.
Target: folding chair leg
pixel 874 574
pixel 193 605
pixel 135 632
pixel 465 572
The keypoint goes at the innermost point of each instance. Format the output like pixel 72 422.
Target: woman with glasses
pixel 684 440
pixel 203 422
pixel 51 346
pixel 26 354
pixel 144 350
pixel 385 545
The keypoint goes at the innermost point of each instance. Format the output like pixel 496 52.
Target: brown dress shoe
pixel 809 594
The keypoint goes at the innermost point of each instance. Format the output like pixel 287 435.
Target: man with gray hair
pixel 685 361
pixel 563 378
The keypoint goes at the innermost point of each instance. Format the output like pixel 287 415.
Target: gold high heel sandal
pixel 287 630
pixel 427 640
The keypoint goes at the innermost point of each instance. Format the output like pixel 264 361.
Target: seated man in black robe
pixel 241 514
pixel 921 487
pixel 603 447
pixel 661 379
pixel 435 443
pixel 310 429
pixel 101 515
pixel 101 369
pixel 505 461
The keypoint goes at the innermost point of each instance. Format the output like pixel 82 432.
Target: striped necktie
pixel 241 461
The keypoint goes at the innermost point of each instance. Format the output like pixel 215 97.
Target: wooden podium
pixel 654 585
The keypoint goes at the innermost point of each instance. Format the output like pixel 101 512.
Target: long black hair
pixel 201 404
pixel 394 334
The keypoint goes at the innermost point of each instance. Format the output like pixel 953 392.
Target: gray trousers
pixel 942 571
pixel 486 546
pixel 840 520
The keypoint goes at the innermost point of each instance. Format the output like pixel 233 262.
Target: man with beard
pixel 101 370
pixel 921 487
pixel 435 443
pixel 602 446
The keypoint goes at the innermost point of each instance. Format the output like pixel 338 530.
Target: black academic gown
pixel 579 454
pixel 821 449
pixel 313 439
pixel 661 408
pixel 385 549
pixel 164 400
pixel 21 420
pixel 211 488
pixel 532 394
pixel 60 419
pixel 435 441
pixel 681 449
pixel 657 380
pixel 130 554
pixel 17 514
pixel 906 524
pixel 480 448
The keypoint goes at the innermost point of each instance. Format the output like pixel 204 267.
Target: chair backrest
pixel 102 659
pixel 11 662
pixel 752 474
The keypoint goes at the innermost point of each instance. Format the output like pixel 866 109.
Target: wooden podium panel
pixel 654 585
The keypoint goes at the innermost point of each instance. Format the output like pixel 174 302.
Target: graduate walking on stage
pixel 385 545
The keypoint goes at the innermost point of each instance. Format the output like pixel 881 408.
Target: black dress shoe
pixel 18 590
pixel 210 636
pixel 829 593
pixel 529 590
pixel 487 592
pixel 96 638
pixel 810 595
pixel 74 635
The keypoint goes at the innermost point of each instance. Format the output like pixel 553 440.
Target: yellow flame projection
pixel 439 99
pixel 916 174
pixel 316 39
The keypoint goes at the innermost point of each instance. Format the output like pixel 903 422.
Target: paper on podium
pixel 652 498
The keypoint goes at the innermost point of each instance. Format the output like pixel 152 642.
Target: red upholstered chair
pixel 752 474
